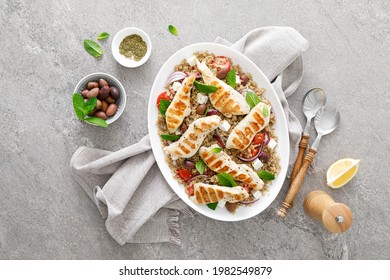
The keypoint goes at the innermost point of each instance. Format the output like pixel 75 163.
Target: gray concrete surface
pixel 44 214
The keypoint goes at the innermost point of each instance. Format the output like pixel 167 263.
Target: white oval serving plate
pixel 283 147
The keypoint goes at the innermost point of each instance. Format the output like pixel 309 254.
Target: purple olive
pixel 104 92
pixel 189 164
pixel 264 157
pixel 201 109
pixel 183 127
pixel 221 74
pixel 244 79
pixel 114 92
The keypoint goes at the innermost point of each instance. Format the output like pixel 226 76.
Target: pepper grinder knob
pixel 336 217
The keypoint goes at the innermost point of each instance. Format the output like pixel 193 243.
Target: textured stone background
pixel 44 214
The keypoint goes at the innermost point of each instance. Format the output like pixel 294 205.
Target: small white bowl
pixel 112 81
pixel 123 60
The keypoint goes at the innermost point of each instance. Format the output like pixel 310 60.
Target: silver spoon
pixel 313 100
pixel 326 121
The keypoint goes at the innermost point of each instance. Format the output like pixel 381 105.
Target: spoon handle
pixel 296 184
pixel 298 162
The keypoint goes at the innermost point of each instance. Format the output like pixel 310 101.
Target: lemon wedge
pixel 341 172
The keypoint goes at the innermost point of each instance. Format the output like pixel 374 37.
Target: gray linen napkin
pixel 127 186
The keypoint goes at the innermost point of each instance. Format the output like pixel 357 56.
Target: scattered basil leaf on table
pixel 252 99
pixel 173 30
pixel 82 109
pixel 103 35
pixel 265 111
pixel 97 121
pixel 231 78
pixel 170 137
pixel 205 88
pixel 164 104
pixel 200 165
pixel 266 176
pixel 226 180
pixel 216 150
pixel 93 48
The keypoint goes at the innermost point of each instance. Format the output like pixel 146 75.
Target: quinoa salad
pixel 218 132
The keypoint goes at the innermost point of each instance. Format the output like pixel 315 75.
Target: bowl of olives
pixel 109 93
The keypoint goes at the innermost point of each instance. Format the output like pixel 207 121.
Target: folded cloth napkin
pixel 127 186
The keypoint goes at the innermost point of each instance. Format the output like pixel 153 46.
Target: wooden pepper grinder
pixel 336 217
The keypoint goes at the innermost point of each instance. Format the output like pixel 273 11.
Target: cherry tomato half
pixel 163 96
pixel 259 138
pixel 185 174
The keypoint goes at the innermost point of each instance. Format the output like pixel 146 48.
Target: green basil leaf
pixel 252 99
pixel 103 35
pixel 231 78
pixel 200 165
pixel 90 105
pixel 97 121
pixel 226 180
pixel 164 104
pixel 173 30
pixel 205 88
pixel 265 111
pixel 212 205
pixel 170 137
pixel 207 110
pixel 78 105
pixel 93 48
pixel 216 150
pixel 266 176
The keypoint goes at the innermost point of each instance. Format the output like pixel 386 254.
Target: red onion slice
pixel 266 138
pixel 217 137
pixel 249 202
pixel 176 76
pixel 199 176
pixel 252 158
pixel 211 112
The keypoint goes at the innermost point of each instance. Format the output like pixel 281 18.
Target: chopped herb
pixel 93 48
pixel 212 205
pixel 231 78
pixel 266 176
pixel 252 99
pixel 164 104
pixel 170 137
pixel 226 180
pixel 265 111
pixel 103 35
pixel 216 150
pixel 133 47
pixel 207 110
pixel 200 165
pixel 173 30
pixel 205 88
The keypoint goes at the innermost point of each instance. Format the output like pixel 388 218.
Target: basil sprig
pixel 170 137
pixel 216 150
pixel 200 166
pixel 205 88
pixel 265 111
pixel 164 104
pixel 226 180
pixel 252 99
pixel 93 48
pixel 213 205
pixel 231 78
pixel 266 176
pixel 83 109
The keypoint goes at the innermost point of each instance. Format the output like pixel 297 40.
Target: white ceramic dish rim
pixel 101 75
pixel 119 36
pixel 283 147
